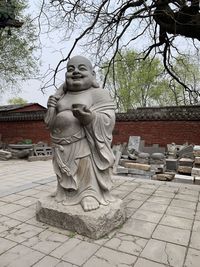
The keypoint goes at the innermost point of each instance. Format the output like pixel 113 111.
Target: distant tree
pixel 17 45
pixel 17 100
pixel 136 83
pixel 189 69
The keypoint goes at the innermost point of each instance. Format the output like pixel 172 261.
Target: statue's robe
pixel 82 162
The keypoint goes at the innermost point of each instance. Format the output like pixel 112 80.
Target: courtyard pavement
pixel 162 229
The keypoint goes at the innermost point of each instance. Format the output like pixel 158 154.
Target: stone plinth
pixel 185 169
pixel 138 166
pixel 94 224
pixel 172 164
pixel 186 162
pixel 167 176
pixel 197 160
pixel 195 171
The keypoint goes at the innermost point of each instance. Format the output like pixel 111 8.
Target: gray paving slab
pixel 172 234
pixel 148 216
pixel 149 206
pixel 162 229
pixel 47 261
pixel 108 258
pixel 20 256
pixel 147 263
pixel 193 258
pixel 127 243
pixel 177 222
pixel 195 240
pixel 180 212
pixel 164 252
pixel 138 228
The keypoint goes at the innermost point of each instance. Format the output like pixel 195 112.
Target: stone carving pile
pixel 157 165
pixel 130 160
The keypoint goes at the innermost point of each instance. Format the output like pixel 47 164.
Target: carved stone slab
pixel 134 143
pixel 94 224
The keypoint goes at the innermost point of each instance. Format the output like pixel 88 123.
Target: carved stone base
pixel 94 224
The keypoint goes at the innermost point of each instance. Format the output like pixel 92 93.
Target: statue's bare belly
pixel 65 124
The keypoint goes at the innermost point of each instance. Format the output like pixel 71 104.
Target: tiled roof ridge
pixel 4 108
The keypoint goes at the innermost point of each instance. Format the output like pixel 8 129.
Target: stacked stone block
pixel 185 165
pixel 196 166
pixel 158 162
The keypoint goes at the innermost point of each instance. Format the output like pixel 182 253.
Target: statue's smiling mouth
pixel 77 77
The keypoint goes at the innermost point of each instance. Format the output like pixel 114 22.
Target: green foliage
pixel 188 68
pixel 71 234
pixel 8 9
pixel 137 83
pixel 17 100
pixel 17 61
pixel 26 142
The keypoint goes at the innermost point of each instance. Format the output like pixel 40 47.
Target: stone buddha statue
pixel 81 118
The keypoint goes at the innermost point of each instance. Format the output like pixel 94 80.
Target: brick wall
pixel 153 132
pixel 16 131
pixel 155 126
pixel 160 125
pixel 158 132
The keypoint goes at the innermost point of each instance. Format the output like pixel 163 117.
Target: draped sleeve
pixel 99 131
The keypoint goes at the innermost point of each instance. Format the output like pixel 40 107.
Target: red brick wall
pixel 158 132
pixel 16 131
pixel 153 132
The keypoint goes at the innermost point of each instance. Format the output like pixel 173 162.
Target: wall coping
pixel 23 116
pixel 172 113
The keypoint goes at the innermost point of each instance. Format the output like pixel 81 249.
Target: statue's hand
pixel 52 101
pixel 82 113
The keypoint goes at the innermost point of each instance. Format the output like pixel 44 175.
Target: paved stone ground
pixel 163 226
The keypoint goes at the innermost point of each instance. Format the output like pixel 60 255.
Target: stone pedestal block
pixel 158 168
pixel 138 166
pixel 167 176
pixel 94 224
pixel 185 169
pixel 195 171
pixel 171 164
pixel 186 162
pixel 196 153
pixel 197 160
pixel 140 172
pixel 120 169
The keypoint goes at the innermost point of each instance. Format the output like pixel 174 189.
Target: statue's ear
pixel 94 74
pixel 94 83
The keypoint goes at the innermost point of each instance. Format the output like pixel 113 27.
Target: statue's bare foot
pixel 59 194
pixel 89 203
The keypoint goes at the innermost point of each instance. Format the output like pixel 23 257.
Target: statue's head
pixel 80 74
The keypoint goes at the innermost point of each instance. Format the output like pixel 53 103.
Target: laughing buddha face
pixel 80 75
